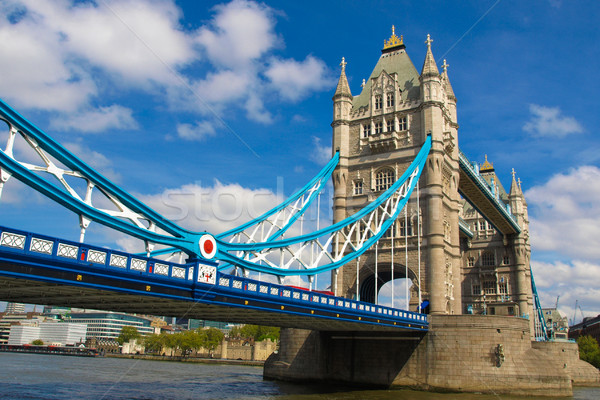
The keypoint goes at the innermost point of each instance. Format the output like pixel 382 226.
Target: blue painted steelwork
pixel 181 238
pixel 318 182
pixel 140 221
pixel 52 254
pixel 541 330
pixel 487 190
pixel 410 176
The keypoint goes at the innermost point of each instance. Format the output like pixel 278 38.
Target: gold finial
pixel 428 41
pixel 394 40
pixel 343 64
pixel 486 166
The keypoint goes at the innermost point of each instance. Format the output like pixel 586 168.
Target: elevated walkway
pixel 480 195
pixel 38 269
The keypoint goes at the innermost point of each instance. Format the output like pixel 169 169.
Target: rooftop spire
pixel 343 89
pixel 446 81
pixel 393 43
pixel 514 188
pixel 429 67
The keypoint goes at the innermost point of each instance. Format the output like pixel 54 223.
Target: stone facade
pixel 378 133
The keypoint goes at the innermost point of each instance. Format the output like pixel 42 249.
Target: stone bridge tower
pixel 378 133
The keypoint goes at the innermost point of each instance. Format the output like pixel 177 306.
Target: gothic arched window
pixel 390 99
pixel 384 179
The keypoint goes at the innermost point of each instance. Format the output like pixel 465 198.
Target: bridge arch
pixel 384 275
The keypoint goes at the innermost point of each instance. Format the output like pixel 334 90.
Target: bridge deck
pixel 477 192
pixel 37 269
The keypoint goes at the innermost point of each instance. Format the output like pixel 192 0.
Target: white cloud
pixel 574 281
pixel 200 131
pixel 51 48
pixel 34 69
pixel 565 213
pixel 321 154
pixel 215 209
pixel 60 55
pixel 565 223
pixel 139 40
pixel 549 121
pixel 93 121
pixel 295 79
pixel 240 32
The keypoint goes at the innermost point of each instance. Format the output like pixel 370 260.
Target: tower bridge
pixel 407 204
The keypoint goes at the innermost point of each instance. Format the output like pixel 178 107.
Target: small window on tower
pixel 471 261
pixel 384 179
pixel 358 187
pixel 503 286
pixel 390 99
pixel 378 102
pixel 405 229
pixel 506 260
pixel 402 124
pixel 378 127
pixel 367 130
pixel 487 259
pixel 390 125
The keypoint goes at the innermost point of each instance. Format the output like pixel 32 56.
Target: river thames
pixel 44 377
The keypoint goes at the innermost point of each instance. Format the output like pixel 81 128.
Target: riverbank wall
pixel 198 360
pixel 461 353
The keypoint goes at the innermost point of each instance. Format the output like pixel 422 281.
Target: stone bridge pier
pixel 463 353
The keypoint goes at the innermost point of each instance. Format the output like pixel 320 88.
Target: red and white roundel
pixel 208 246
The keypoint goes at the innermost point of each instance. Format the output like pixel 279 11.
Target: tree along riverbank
pixel 199 360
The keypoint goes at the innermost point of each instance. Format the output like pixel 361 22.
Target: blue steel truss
pixel 265 252
pixel 539 322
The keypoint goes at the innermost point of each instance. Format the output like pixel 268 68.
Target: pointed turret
pixel 342 89
pixel 431 81
pixel 446 83
pixel 429 67
pixel 514 187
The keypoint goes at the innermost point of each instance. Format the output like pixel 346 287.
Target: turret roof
pixel 342 87
pixel 429 66
pixel 393 60
pixel 446 82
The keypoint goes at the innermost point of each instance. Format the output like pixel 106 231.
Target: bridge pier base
pixel 463 353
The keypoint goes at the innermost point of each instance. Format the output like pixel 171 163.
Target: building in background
pixel 108 324
pixel 51 333
pixel 557 325
pixel 9 320
pixel 15 308
pixel 589 326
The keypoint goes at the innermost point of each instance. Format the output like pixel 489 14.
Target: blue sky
pixel 205 100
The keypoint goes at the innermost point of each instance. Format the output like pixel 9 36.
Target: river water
pixel 44 377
